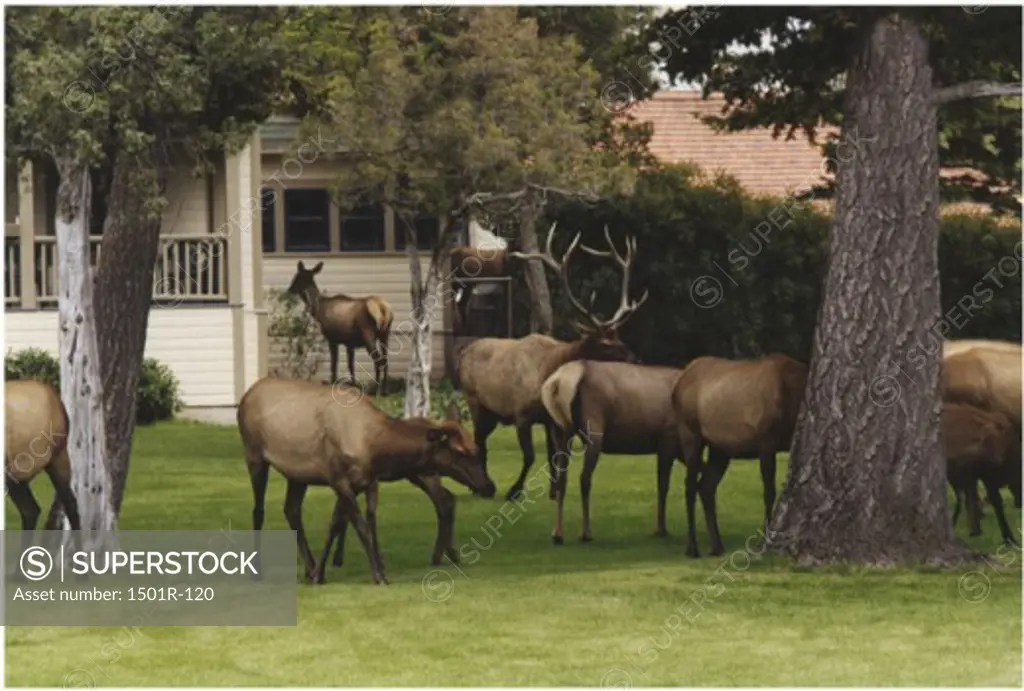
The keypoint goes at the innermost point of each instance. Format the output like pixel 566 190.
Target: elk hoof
pixel 660 532
pixel 557 540
pixel 552 494
pixel 513 493
pixel 717 551
pixel 452 555
pixel 586 538
pixel 693 552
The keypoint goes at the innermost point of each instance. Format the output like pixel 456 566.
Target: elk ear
pixel 318 267
pixel 302 267
pixel 436 435
pixel 452 412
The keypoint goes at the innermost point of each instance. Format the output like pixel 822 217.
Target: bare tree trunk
pixel 867 475
pixel 541 317
pixel 417 380
pixel 80 383
pixel 124 290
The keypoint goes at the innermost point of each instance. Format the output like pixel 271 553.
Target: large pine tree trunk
pixel 867 475
pixel 541 318
pixel 80 383
pixel 124 289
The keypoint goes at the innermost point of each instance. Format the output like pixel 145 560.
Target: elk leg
pixel 484 423
pixel 336 525
pixel 351 364
pixel 371 520
pixel 340 529
pixel 549 434
pixel 995 499
pixel 561 464
pixel 665 462
pixel 59 473
pixel 524 432
pixel 973 515
pixel 717 465
pixel 347 502
pixel 293 513
pixel 768 485
pixel 333 347
pixel 590 456
pixel 957 494
pixel 29 509
pixel 444 506
pixel 693 471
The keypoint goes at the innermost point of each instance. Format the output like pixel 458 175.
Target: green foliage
pixel 158 397
pixel 791 72
pixel 393 402
pixel 158 393
pixel 717 287
pixel 297 334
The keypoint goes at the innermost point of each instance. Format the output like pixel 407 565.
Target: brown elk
pixel 502 378
pixel 739 409
pixel 321 435
pixel 987 375
pixel 351 322
pixel 35 440
pixel 613 407
pixel 474 263
pixel 980 445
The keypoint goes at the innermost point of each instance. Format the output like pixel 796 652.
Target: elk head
pixel 599 338
pixel 453 453
pixel 303 283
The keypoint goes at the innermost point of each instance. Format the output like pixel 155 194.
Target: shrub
pixel 297 334
pixel 158 394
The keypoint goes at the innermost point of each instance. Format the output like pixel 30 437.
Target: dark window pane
pixel 306 220
pixel 362 229
pixel 427 231
pixel 268 205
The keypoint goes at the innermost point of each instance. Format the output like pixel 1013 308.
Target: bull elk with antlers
pixel 351 322
pixel 502 378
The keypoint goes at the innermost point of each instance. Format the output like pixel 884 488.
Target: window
pixel 362 229
pixel 306 220
pixel 428 229
pixel 268 208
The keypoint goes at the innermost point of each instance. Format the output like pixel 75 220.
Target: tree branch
pixel 973 89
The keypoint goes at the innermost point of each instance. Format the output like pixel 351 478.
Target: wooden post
pixel 27 235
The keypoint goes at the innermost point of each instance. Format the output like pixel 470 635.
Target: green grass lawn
pixel 519 611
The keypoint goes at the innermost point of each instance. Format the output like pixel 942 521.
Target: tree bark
pixel 867 473
pixel 80 383
pixel 541 317
pixel 417 380
pixel 124 290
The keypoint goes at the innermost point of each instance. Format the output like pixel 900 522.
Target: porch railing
pixel 189 268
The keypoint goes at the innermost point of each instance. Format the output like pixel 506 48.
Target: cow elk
pixel 469 264
pixel 347 321
pixel 613 407
pixel 738 409
pixel 35 440
pixel 320 435
pixel 502 378
pixel 980 445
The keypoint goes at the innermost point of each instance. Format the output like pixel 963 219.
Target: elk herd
pixel 592 390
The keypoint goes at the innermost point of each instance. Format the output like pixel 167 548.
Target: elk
pixel 473 263
pixel 443 500
pixel 502 378
pixel 614 407
pixel 351 322
pixel 739 409
pixel 311 437
pixel 987 375
pixel 35 440
pixel 980 445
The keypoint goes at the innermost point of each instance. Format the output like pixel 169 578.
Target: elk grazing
pixel 443 500
pixel 614 407
pixel 35 440
pixel 351 322
pixel 502 378
pixel 987 375
pixel 980 445
pixel 312 438
pixel 738 409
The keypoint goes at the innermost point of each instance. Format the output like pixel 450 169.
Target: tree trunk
pixel 541 318
pixel 867 474
pixel 80 383
pixel 124 289
pixel 417 380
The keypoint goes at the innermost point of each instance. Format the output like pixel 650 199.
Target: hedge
pixel 158 395
pixel 718 288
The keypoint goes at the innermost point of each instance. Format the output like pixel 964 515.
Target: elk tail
pixel 381 313
pixel 559 393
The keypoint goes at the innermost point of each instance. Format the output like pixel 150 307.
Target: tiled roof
pixel 762 164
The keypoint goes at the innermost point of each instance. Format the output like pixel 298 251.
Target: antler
pixel 626 308
pixel 562 268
